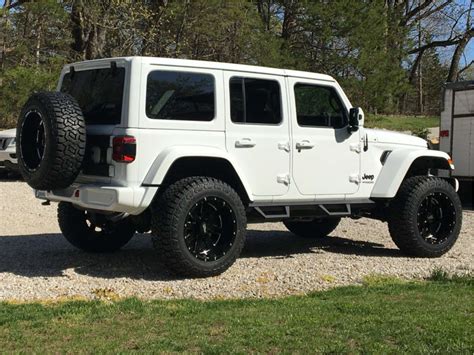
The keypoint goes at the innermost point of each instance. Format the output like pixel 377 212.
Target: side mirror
pixel 354 117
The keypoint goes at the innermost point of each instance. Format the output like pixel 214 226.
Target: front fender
pixel 396 167
pixel 167 157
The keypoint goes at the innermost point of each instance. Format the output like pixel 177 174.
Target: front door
pixel 326 155
pixel 257 130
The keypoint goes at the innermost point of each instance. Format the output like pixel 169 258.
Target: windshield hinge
pixel 355 178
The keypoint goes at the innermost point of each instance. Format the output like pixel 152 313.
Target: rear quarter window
pixel 173 95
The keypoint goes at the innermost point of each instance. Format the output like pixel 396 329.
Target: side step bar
pixel 317 210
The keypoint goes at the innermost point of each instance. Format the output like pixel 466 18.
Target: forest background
pixel 390 56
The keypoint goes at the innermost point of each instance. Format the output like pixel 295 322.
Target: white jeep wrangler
pixel 194 150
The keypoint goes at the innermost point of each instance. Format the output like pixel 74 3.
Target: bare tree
pixel 458 35
pixel 460 47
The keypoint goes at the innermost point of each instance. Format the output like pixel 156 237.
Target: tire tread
pixel 68 138
pixel 404 233
pixel 166 213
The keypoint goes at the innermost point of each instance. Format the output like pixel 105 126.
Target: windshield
pixel 99 93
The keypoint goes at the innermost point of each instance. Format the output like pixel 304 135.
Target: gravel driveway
pixel 37 263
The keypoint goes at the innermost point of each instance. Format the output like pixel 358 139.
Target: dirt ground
pixel 37 263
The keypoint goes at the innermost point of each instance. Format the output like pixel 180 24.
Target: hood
pixel 390 137
pixel 9 133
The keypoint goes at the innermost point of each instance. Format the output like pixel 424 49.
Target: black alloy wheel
pixel 98 223
pixel 436 218
pixel 33 141
pixel 210 229
pixel 92 231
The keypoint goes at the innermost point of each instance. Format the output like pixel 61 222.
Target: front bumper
pixel 132 200
pixel 8 160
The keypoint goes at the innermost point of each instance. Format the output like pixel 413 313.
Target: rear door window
pixel 173 95
pixel 99 93
pixel 255 101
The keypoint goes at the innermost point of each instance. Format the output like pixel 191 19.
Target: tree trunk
pixel 180 30
pixel 4 28
pixel 89 37
pixel 38 46
pixel 263 8
pixel 461 46
pixel 77 28
pixel 420 68
pixel 454 67
pixel 289 19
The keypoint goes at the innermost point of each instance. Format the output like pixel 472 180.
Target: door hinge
pixel 355 178
pixel 355 147
pixel 284 146
pixel 283 179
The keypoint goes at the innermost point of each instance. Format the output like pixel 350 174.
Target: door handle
pixel 244 143
pixel 304 145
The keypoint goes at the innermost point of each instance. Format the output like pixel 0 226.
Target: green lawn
pixel 401 123
pixel 382 316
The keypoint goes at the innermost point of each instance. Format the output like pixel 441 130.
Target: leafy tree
pixel 18 84
pixel 35 51
pixel 384 52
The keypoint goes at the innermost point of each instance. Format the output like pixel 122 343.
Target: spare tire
pixel 50 140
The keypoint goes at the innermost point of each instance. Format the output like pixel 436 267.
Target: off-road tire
pixel 169 213
pixel 51 140
pixel 74 226
pixel 317 228
pixel 404 214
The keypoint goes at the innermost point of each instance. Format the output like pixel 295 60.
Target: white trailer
pixel 457 134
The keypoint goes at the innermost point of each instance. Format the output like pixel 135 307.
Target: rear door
pixel 100 94
pixel 257 130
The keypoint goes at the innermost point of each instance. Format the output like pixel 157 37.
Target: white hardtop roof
pixel 209 65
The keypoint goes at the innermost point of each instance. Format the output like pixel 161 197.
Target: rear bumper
pixel 132 200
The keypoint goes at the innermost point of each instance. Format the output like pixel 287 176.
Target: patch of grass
pixel 401 122
pixel 384 317
pixel 441 275
pixel 381 280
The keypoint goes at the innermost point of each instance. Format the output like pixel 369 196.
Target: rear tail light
pixel 124 149
pixel 444 133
